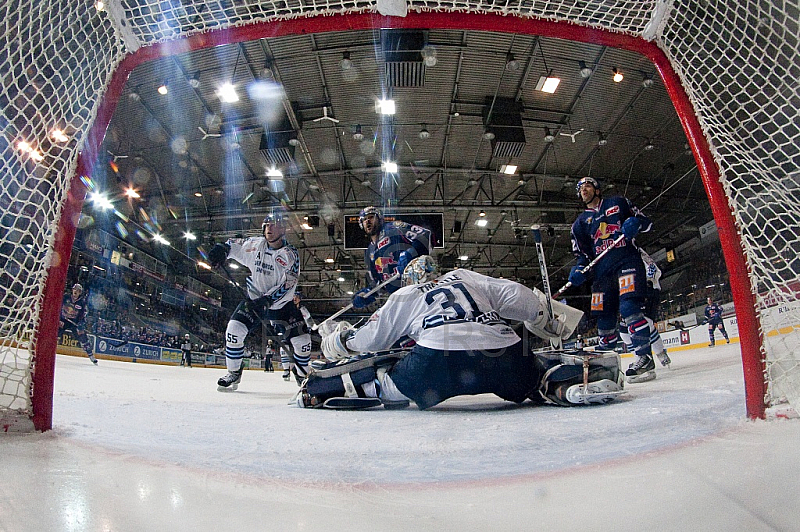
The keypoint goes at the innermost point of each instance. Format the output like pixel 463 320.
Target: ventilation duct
pixel 503 117
pixel 278 144
pixel 403 62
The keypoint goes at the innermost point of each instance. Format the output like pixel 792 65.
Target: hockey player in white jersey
pixel 274 269
pixel 464 346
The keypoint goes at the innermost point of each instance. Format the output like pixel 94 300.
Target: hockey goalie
pixel 463 345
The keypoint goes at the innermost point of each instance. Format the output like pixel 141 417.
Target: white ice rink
pixel 140 447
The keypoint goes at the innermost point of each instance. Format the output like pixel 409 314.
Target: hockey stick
pixel 556 343
pixel 590 265
pixel 348 307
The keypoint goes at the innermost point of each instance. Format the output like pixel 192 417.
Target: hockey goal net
pixel 731 67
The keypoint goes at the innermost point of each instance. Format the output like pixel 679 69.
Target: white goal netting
pixel 737 60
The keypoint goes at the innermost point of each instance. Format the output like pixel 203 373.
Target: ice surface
pixel 148 447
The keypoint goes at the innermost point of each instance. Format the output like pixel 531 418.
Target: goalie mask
pixel 420 270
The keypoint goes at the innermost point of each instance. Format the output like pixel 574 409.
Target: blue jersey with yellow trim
pixel 395 237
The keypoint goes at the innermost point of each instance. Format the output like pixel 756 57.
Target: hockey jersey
pixel 596 229
pixel 462 310
pixel 395 237
pixel 713 313
pixel 273 272
pixel 74 310
pixel 652 270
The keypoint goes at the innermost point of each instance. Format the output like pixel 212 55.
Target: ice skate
pixel 286 374
pixel 93 359
pixel 597 392
pixel 663 357
pixel 711 344
pixel 643 369
pixel 230 382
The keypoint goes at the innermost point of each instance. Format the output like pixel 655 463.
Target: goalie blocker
pixel 564 378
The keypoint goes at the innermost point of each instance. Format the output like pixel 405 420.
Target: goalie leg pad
pixel 558 379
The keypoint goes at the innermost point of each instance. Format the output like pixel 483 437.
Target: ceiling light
pixel 131 193
pixel 481 222
pixel 548 136
pixel 385 107
pixel 585 70
pixel 649 146
pixel 647 82
pixel 603 140
pixel 160 239
pixel 366 183
pixel 188 235
pixel 428 54
pixel 547 84
pixel 306 226
pixel 294 142
pixel 472 182
pixel 198 194
pixel 346 63
pixel 482 213
pixel 357 134
pixel 512 64
pixel 194 80
pixel 522 182
pixel 227 93
pixel 424 133
pixel 162 89
pixel 463 257
pixel 617 75
pixel 419 181
pixel 488 134
pixel 509 169
pixel 274 173
pixel 389 167
pixel 329 260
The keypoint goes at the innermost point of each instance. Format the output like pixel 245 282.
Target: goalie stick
pixel 590 265
pixel 348 307
pixel 556 343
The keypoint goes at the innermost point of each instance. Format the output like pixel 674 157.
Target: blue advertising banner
pixel 110 346
pixel 146 352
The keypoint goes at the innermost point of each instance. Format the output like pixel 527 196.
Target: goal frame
pixel 750 335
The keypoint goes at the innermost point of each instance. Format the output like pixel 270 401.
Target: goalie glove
pixel 334 344
pixel 562 325
pixel 218 255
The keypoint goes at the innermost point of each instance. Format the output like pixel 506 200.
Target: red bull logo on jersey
pixel 281 261
pixel 383 242
pixel 612 210
pixel 382 264
pixel 605 230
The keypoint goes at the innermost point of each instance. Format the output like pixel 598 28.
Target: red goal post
pixel 92 53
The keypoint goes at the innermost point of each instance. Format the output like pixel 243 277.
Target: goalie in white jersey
pixel 464 346
pixel 274 268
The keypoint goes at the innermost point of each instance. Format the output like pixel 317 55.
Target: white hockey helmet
pixel 420 270
pixel 78 287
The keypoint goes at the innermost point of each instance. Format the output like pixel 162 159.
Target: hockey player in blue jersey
pixel 274 268
pixel 713 315
pixel 392 246
pixel 619 280
pixel 73 319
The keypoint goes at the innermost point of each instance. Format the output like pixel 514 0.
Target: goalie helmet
pixel 420 270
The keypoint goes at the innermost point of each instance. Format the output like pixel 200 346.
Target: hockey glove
pixel 576 276
pixel 630 227
pixel 402 261
pixel 361 299
pixel 218 254
pixel 334 344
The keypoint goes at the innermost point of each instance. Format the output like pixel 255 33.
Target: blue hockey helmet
pixel 298 294
pixel 367 211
